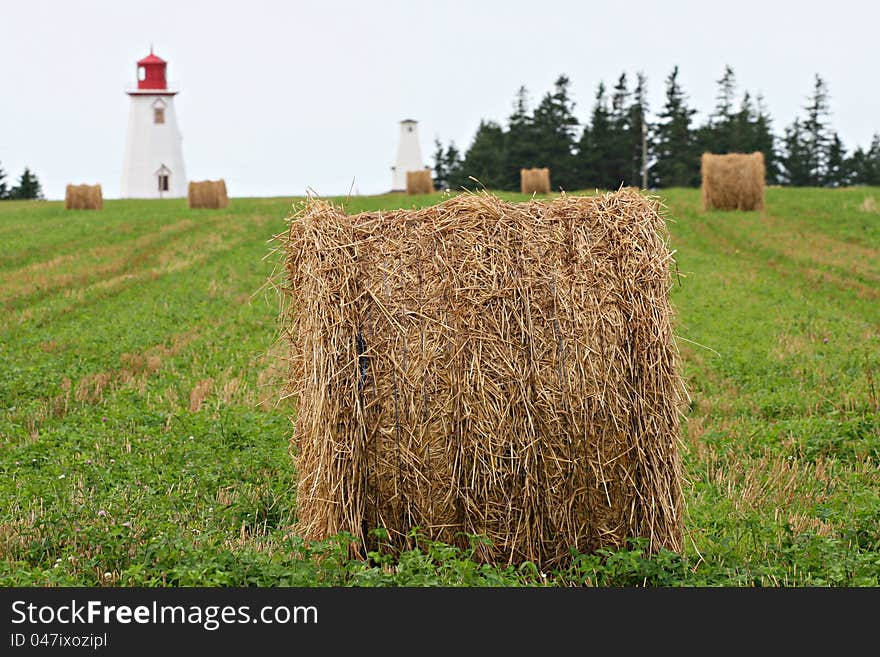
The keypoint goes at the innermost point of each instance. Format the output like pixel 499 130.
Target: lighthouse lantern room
pixel 153 162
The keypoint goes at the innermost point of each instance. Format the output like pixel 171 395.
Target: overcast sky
pixel 279 96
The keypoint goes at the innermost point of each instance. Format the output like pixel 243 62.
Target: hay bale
pixel 489 368
pixel 733 182
pixel 419 182
pixel 534 181
pixel 83 197
pixel 207 194
pixel 222 196
pixel 195 193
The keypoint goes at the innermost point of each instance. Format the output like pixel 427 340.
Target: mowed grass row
pixel 783 435
pixel 144 441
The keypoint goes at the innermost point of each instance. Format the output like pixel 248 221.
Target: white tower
pixel 153 164
pixel 409 155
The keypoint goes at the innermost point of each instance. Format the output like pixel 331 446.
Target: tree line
pixel 27 187
pixel 621 144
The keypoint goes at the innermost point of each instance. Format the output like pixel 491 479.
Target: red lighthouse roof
pixel 151 59
pixel 151 73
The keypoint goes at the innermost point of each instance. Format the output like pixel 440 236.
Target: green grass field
pixel 143 442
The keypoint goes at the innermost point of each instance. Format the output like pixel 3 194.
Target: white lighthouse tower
pixel 409 155
pixel 153 164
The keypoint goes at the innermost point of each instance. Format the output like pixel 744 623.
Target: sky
pixel 281 97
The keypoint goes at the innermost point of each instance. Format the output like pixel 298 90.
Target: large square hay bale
pixel 487 368
pixel 734 181
pixel 534 181
pixel 83 197
pixel 419 182
pixel 207 194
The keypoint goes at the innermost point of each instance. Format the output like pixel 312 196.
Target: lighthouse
pixel 153 162
pixel 409 155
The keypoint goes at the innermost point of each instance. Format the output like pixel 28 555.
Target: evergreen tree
pixel 447 166
pixel 452 162
pixel 720 136
pixel 554 127
pixel 520 150
pixel 4 188
pixel 837 173
pixel 744 130
pixel 874 160
pixel 484 160
pixel 808 143
pixel 639 130
pixel 763 140
pixel 740 130
pixel 440 170
pixel 594 147
pixel 621 137
pixel 856 165
pixel 28 187
pixel 610 149
pixel 817 140
pixel 795 158
pixel 864 166
pixel 676 148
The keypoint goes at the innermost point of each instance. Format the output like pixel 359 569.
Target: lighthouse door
pixel 163 179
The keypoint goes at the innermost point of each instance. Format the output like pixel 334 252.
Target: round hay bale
pixel 83 197
pixel 535 181
pixel 419 182
pixel 209 194
pixel 734 181
pixel 98 197
pixel 222 197
pixel 487 368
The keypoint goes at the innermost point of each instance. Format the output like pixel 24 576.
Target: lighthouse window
pixel 158 115
pixel 142 73
pixel 163 182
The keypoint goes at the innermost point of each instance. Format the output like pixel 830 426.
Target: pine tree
pixel 744 130
pixel 639 131
pixel 454 166
pixel 554 127
pixel 837 173
pixel 4 188
pixel 874 159
pixel 440 171
pixel 520 150
pixel 808 143
pixel 676 147
pixel 594 147
pixel 856 165
pixel 795 159
pixel 28 187
pixel 619 146
pixel 722 125
pixel 448 173
pixel 864 166
pixel 484 159
pixel 740 133
pixel 817 140
pixel 763 140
